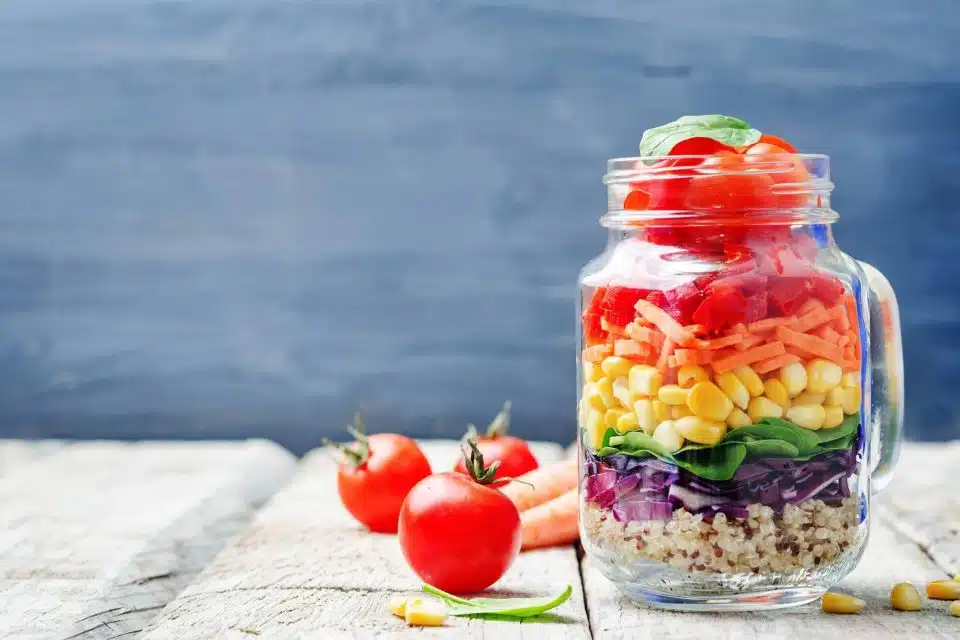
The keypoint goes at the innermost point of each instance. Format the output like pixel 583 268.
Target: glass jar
pixel 740 387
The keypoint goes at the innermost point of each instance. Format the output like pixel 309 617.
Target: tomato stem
pixel 500 423
pixel 356 454
pixel 473 461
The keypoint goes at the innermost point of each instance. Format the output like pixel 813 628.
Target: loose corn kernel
pixel 591 372
pixel 707 401
pixel 690 374
pixel 594 429
pixel 905 597
pixel 645 380
pixel 738 418
pixel 832 417
pixel 822 375
pixel 835 397
pixel 673 394
pixel 810 398
pixel 661 410
pixel 680 411
pixel 398 606
pixel 627 422
pixel 591 393
pixel 851 400
pixel 622 392
pixel 808 416
pixel 850 379
pixel 605 388
pixel 775 390
pixel 612 416
pixel 425 612
pixel 794 378
pixel 763 407
pixel 615 366
pixel 750 379
pixel 701 431
pixel 840 603
pixel 943 590
pixel 735 390
pixel 646 416
pixel 955 608
pixel 666 434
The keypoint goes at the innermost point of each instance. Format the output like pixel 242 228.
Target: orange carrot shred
pixel 810 305
pixel 772 364
pixel 628 347
pixel 754 354
pixel 662 320
pixel 691 356
pixel 696 329
pixel 612 329
pixel 597 352
pixel 838 316
pixel 720 343
pixel 645 334
pixel 749 340
pixel 817 346
pixel 812 320
pixel 769 324
pixel 664 360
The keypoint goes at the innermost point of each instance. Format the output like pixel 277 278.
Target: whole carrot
pixel 542 484
pixel 551 523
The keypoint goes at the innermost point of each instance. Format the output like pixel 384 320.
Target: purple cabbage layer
pixel 650 489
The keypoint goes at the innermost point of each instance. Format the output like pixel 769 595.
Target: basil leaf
pixel 847 427
pixel 713 463
pixel 771 449
pixel 517 608
pixel 732 132
pixel 775 428
pixel 609 433
pixel 639 441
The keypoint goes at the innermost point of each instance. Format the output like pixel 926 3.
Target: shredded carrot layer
pixel 645 334
pixel 749 356
pixel 662 320
pixel 597 352
pixel 774 363
pixel 817 346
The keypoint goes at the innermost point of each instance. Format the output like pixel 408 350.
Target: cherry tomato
pixel 636 200
pixel 783 170
pixel 777 141
pixel 376 474
pixel 458 533
pixel 513 454
pixel 724 182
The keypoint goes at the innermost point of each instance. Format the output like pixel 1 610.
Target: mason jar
pixel 740 385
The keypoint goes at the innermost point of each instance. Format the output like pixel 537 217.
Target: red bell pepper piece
pixel 786 294
pixel 721 309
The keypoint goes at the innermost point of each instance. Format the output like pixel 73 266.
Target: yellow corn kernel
pixel 841 603
pixel 398 606
pixel 662 411
pixel 763 407
pixel 905 597
pixel 707 401
pixel 738 418
pixel 835 397
pixel 832 417
pixel 425 612
pixel 690 374
pixel 810 398
pixel 735 390
pixel 593 397
pixel 955 608
pixel 680 411
pixel 627 422
pixel 808 416
pixel 591 372
pixel 666 434
pixel 851 400
pixel 646 416
pixel 850 379
pixel 622 392
pixel 775 391
pixel 594 429
pixel 645 380
pixel 943 590
pixel 612 416
pixel 822 375
pixel 750 379
pixel 672 394
pixel 605 388
pixel 615 366
pixel 794 378
pixel 701 431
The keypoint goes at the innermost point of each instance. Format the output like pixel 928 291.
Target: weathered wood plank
pixel 890 558
pixel 96 538
pixel 305 569
pixel 922 501
pixel 17 453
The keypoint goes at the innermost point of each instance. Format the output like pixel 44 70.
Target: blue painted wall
pixel 235 217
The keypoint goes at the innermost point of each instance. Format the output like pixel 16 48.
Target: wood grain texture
pixel 96 538
pixel 304 568
pixel 922 501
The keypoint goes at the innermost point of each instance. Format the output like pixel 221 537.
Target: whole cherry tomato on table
pixel 512 454
pixel 376 474
pixel 457 532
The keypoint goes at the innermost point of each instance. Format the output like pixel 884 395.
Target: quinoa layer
pixel 805 536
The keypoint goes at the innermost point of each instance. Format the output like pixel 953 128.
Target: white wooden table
pixel 102 540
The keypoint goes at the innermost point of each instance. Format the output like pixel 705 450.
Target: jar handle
pixel 885 376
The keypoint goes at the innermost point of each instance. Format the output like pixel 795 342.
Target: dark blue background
pixel 233 217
